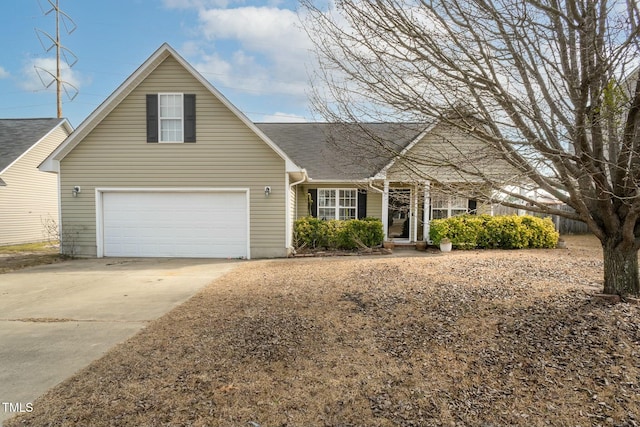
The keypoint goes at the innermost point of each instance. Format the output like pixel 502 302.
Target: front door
pixel 399 219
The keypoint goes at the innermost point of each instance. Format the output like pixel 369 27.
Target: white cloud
pixel 41 71
pixel 270 54
pixel 4 73
pixel 264 29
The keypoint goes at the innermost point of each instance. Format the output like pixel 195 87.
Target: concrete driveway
pixel 56 319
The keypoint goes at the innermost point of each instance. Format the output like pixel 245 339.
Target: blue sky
pixel 252 52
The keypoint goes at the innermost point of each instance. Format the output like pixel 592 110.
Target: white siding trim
pixel 288 223
pixel 99 206
pixel 385 210
pixel 426 212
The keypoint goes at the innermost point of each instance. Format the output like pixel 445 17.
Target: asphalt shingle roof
pixel 18 135
pixel 335 151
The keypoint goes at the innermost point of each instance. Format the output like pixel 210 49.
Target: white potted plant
pixel 445 245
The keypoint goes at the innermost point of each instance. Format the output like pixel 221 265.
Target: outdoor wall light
pixel 75 191
pixel 267 191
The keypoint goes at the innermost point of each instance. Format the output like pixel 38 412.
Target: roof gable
pixel 51 164
pixel 18 136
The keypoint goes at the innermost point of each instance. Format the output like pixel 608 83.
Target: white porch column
pixel 414 212
pixel 426 211
pixel 385 210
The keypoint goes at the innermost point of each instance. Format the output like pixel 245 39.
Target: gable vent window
pixel 171 117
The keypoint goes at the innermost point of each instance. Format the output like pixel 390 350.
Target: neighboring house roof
pixel 18 136
pixel 51 164
pixel 334 152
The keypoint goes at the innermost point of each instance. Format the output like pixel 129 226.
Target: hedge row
pixel 314 233
pixel 495 232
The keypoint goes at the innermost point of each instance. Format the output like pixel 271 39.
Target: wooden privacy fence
pixel 563 225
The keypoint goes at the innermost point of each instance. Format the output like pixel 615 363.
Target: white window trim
pixel 160 118
pixel 337 207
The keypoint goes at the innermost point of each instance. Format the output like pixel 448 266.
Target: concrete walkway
pixel 56 319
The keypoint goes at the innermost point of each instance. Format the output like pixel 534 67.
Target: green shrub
pixel 464 231
pixel 544 234
pixel 507 232
pixel 367 232
pixel 314 233
pixel 310 232
pixel 333 234
pixel 504 232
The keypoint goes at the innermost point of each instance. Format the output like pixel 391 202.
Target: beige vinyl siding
pixel 226 154
pixel 302 209
pixel 374 204
pixel 30 196
pixel 374 198
pixel 445 144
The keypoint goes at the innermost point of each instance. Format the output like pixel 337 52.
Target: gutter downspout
pixel 290 247
pixel 375 188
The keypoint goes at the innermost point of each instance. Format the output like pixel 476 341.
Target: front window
pixel 337 204
pixel 170 115
pixel 444 206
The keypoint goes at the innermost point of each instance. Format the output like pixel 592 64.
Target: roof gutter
pixel 305 177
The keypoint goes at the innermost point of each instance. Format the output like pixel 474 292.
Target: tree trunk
pixel 620 269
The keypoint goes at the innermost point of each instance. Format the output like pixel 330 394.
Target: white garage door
pixel 175 224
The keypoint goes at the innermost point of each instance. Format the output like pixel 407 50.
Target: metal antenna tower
pixel 69 57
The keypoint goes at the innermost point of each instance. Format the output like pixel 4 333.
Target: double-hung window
pixel 444 206
pixel 337 203
pixel 171 117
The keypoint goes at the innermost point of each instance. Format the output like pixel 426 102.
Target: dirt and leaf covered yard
pixel 474 338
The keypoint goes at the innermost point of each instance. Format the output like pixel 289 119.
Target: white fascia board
pixel 338 181
pixel 50 165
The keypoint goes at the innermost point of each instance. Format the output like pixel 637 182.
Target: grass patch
pixel 29 247
pixel 17 257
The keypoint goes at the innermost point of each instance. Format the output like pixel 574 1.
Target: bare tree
pixel 547 85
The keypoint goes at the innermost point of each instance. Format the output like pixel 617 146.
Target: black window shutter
pixel 189 118
pixel 312 193
pixel 472 208
pixel 152 118
pixel 362 204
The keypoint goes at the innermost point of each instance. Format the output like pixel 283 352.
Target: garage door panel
pixel 175 224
